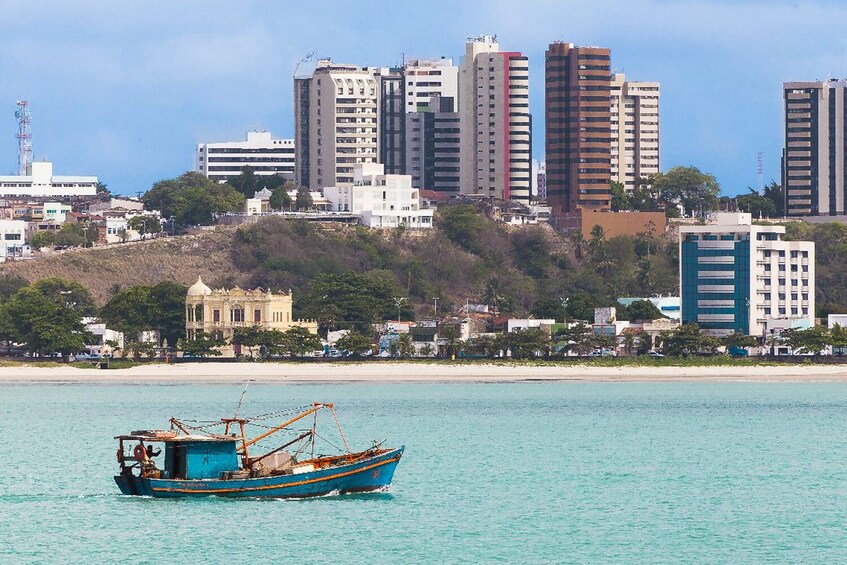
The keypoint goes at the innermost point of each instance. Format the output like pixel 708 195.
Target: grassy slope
pixel 178 259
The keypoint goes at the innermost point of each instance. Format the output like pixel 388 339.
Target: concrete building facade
pixel 260 151
pixel 433 146
pixel 336 123
pixel 496 126
pixel 380 200
pixel 634 130
pixel 42 183
pixel 814 160
pixel 219 312
pixel 578 126
pixel 408 90
pixel 737 276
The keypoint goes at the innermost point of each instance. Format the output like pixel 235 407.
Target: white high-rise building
pixel 635 130
pixel 425 78
pixel 260 151
pixel 736 276
pixel 336 123
pixel 495 121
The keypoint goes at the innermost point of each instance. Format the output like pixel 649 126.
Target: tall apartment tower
pixel 578 125
pixel 433 146
pixel 635 130
pixel 336 123
pixel 814 161
pixel 406 90
pixel 496 149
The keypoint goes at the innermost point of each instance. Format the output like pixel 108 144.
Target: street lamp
pixel 399 302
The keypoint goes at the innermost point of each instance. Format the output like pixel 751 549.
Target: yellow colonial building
pixel 219 312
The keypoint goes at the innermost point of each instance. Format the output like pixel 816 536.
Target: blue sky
pixel 125 90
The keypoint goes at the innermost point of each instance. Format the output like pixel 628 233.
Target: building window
pixel 216 316
pixel 257 316
pixel 767 311
pixel 198 313
pixel 794 311
pixel 782 311
pixel 781 282
pixel 237 315
pixel 794 254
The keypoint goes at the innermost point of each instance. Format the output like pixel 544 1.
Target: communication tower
pixel 24 136
pixel 760 169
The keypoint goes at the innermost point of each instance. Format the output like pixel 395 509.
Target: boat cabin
pixel 183 457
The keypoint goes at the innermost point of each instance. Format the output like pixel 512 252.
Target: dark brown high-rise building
pixel 578 127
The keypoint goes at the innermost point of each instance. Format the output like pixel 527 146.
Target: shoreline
pixel 399 372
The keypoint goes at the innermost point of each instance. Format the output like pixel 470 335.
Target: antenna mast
pixel 760 169
pixel 24 136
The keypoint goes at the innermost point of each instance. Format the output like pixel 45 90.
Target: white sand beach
pixel 414 372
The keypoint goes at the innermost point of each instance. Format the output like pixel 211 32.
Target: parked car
pixel 655 354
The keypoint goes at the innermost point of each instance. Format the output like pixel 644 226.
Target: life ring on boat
pixel 139 453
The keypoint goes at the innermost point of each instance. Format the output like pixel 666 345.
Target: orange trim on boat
pixel 286 485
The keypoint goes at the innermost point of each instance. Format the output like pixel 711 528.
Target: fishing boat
pixel 195 458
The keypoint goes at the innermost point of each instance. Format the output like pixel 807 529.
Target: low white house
pixel 380 200
pixel 513 324
pixel 103 336
pixel 13 236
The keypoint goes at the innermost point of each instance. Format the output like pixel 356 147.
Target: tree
pixel 192 199
pixel 697 192
pixel 639 310
pixel 739 340
pixel 577 338
pixel 129 312
pixel 46 324
pixel 355 343
pixel 775 194
pixel 803 341
pixel 43 239
pixel 427 351
pixel 68 293
pixel 757 205
pixel 145 225
pixel 687 340
pixel 249 337
pixel 143 308
pixel 297 341
pixel 645 343
pixel 494 294
pixel 203 345
pixel 140 348
pixel 620 199
pixel 525 344
pixel 405 347
pixel 485 345
pixel 103 190
pixel 70 234
pixel 463 225
pixel 280 199
pixel 452 343
pixel 247 183
pixel 304 199
pixel 353 300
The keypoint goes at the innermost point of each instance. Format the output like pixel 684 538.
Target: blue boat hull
pixel 370 474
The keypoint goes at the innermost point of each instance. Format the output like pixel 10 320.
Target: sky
pixel 125 90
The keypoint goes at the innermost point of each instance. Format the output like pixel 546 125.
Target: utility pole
pixel 436 307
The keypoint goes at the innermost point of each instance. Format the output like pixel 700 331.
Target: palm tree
pixel 493 294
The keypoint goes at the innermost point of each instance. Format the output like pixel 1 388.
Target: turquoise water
pixel 533 473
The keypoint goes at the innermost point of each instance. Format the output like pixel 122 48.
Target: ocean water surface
pixel 559 472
